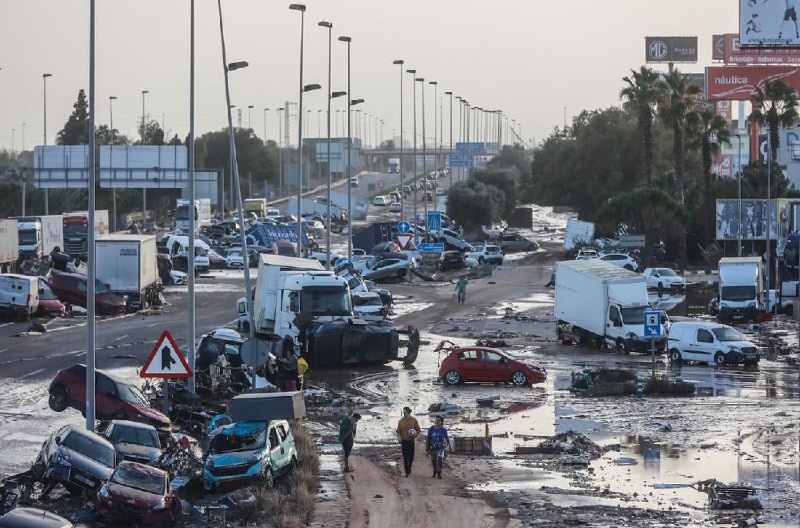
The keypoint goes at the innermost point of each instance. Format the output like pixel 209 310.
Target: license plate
pixel 86 481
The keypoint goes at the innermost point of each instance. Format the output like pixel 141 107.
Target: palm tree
pixel 711 132
pixel 641 96
pixel 674 107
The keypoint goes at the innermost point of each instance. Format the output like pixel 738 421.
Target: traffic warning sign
pixel 166 360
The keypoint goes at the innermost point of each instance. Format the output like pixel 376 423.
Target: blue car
pixel 250 450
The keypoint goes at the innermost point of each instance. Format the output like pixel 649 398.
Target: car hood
pixel 137 451
pixel 739 344
pixel 81 461
pixel 135 497
pixel 233 458
pixel 156 417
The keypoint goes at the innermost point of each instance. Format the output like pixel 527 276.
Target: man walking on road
pixel 437 445
pixel 461 289
pixel 347 435
pixel 408 431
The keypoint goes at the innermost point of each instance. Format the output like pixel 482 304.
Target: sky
pixel 530 58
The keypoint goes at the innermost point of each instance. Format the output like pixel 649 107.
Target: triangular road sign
pixel 403 240
pixel 166 360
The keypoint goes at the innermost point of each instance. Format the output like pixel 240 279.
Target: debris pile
pixel 619 382
pixel 570 443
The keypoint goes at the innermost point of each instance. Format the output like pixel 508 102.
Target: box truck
pixel 256 205
pixel 40 235
pixel 76 233
pixel 741 288
pixel 9 245
pixel 601 304
pixel 128 264
pixel 394 165
pixel 202 214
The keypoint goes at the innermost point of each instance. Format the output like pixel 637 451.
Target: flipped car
pixel 78 459
pixel 390 265
pixel 138 494
pixel 368 303
pixel 70 288
pixel 244 451
pixel 133 441
pixel 488 365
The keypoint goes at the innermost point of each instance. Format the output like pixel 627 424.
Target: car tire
pixel 628 267
pixel 402 273
pixel 293 465
pixel 621 348
pixel 246 328
pixel 59 398
pixel 675 356
pixel 660 285
pixel 519 379
pixel 480 260
pixel 452 377
pixel 789 311
pixel 581 338
pixel 719 359
pixel 532 247
pixel 267 477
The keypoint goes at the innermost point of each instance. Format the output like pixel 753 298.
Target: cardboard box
pixel 263 407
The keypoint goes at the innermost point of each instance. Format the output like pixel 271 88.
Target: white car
pixel 234 259
pixel 621 260
pixel 706 342
pixel 587 254
pixel 488 253
pixel 495 230
pixel 381 201
pixel 272 213
pixel 395 207
pixel 663 278
pixel 368 304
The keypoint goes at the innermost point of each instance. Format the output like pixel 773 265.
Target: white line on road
pixel 123 336
pixel 1 351
pixel 35 372
pixel 5 324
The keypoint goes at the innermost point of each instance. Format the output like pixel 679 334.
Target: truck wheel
pixel 621 348
pixel 789 310
pixel 519 379
pixel 59 398
pixel 246 328
pixel 675 356
pixel 719 359
pixel 480 260
pixel 452 377
pixel 580 338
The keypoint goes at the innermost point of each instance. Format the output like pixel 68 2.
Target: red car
pixel 140 494
pixel 115 399
pixel 70 288
pixel 484 364
pixel 49 305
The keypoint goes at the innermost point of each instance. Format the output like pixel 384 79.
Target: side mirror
pixel 58 440
pixel 618 324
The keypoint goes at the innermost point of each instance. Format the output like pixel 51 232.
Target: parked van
pixel 19 294
pixel 707 342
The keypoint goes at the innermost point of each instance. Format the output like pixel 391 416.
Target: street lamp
pixel 421 80
pixel 450 144
pixel 302 9
pixel 329 25
pixel 191 311
pixel 435 157
pixel 414 165
pixel 400 62
pixel 265 127
pixel 249 123
pixel 111 99
pixel 144 189
pixel 44 129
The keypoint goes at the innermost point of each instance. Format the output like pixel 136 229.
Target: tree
pixel 473 204
pixel 103 136
pixel 153 135
pixel 76 129
pixel 641 95
pixel 652 212
pixel 506 180
pixel 674 107
pixel 711 132
pixel 513 156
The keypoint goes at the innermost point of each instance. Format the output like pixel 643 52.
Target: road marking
pixel 123 336
pixel 5 324
pixel 1 351
pixel 35 372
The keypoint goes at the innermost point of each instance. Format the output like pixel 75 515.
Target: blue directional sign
pixel 434 220
pixel 403 227
pixel 426 247
pixel 472 149
pixel 652 324
pixel 461 160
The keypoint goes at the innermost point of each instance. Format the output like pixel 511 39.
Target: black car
pixel 79 459
pixel 134 441
pixel 451 260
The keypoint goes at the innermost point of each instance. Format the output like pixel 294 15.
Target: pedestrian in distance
pixel 408 430
pixel 437 445
pixel 461 289
pixel 347 435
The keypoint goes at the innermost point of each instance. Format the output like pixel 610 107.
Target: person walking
pixel 347 435
pixel 461 289
pixel 408 430
pixel 437 445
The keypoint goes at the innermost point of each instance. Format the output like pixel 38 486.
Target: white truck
pixel 76 230
pixel 256 205
pixel 394 165
pixel 202 214
pixel 178 251
pixel 39 235
pixel 601 304
pixel 9 245
pixel 741 288
pixel 128 264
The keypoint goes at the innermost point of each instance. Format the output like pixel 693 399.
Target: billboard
pixel 768 23
pixel 754 219
pixel 733 53
pixel 718 47
pixel 670 49
pixel 723 166
pixel 738 83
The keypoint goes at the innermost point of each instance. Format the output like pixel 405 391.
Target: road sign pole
pixel 653 353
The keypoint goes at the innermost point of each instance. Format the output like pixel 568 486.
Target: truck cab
pixel 741 288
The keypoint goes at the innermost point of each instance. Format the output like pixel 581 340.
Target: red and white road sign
pixel 403 240
pixel 166 360
pixel 380 184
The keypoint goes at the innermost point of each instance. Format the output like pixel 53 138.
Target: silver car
pixel 388 266
pixel 517 242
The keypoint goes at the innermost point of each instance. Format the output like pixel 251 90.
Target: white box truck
pixel 256 205
pixel 601 304
pixel 9 245
pixel 394 165
pixel 128 264
pixel 741 288
pixel 40 235
pixel 202 214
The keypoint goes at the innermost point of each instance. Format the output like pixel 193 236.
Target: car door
pixel 107 400
pixel 469 365
pixel 704 346
pixel 495 367
pixel 277 453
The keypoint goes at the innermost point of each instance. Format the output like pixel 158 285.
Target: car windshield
pixel 666 272
pixel 134 435
pixel 235 253
pixel 725 333
pixel 232 440
pixel 325 301
pixel 738 293
pixel 132 395
pixel 635 315
pixel 101 288
pixel 90 448
pixel 368 301
pixel 140 480
pixel 476 249
pixel 46 295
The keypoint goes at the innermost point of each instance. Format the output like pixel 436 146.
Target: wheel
pixel 628 267
pixel 519 379
pixel 719 359
pixel 531 247
pixel 789 310
pixel 246 328
pixel 480 260
pixel 268 478
pixel 119 415
pixel 580 338
pixel 675 356
pixel 402 273
pixel 293 465
pixel 59 398
pixel 621 348
pixel 452 377
pixel 660 285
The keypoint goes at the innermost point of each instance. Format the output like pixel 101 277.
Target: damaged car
pixel 488 365
pixel 134 441
pixel 138 494
pixel 78 459
pixel 250 450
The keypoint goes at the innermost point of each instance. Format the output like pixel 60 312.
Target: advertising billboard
pixel 753 223
pixel 768 23
pixel 718 47
pixel 738 83
pixel 670 49
pixel 734 53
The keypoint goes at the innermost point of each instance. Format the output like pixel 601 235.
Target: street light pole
pixel 265 128
pixel 450 144
pixel 190 261
pixel 435 121
pixel 249 122
pixel 302 9
pixel 328 25
pixel 144 189
pixel 350 103
pixel 400 63
pixel 414 165
pixel 91 264
pixel 44 130
pixel 421 80
pixel 111 100
pixel 739 177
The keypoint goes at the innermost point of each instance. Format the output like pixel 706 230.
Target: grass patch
pixel 290 504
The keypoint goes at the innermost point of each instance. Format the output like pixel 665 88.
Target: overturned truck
pixel 309 310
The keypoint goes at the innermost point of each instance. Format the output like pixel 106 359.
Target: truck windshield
pixel 182 213
pixel 724 333
pixel 74 231
pixel 738 293
pixel 320 300
pixel 633 315
pixel 27 237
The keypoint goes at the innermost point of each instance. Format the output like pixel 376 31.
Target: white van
pixel 381 201
pixel 19 294
pixel 709 343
